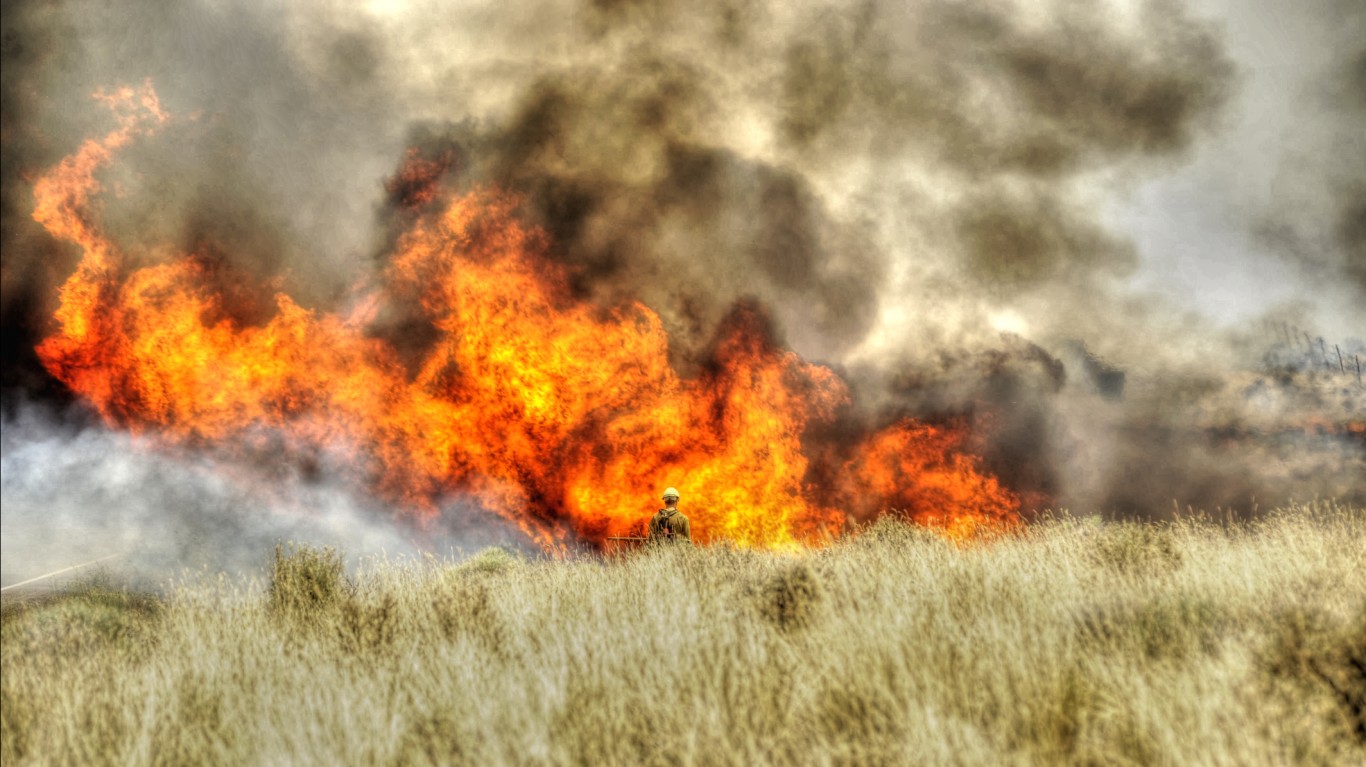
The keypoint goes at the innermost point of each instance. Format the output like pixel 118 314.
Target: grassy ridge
pixel 1078 643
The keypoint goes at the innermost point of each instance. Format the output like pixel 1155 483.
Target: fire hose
pixel 58 572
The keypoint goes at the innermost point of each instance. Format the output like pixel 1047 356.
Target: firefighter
pixel 669 525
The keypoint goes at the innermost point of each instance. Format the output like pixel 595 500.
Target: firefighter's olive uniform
pixel 669 525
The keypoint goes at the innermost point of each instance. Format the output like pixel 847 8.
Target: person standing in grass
pixel 668 525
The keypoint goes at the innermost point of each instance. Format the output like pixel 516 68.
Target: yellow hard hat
pixel 671 493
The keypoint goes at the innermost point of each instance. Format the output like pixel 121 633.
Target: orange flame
pixel 560 416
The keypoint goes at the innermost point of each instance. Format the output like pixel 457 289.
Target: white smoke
pixel 72 494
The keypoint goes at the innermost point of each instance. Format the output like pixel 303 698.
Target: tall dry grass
pixel 1079 642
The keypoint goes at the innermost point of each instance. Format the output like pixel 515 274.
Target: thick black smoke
pixel 722 151
pixel 915 190
pixel 685 155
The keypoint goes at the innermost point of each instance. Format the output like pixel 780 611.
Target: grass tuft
pixel 490 561
pixel 1167 627
pixel 305 580
pixel 790 597
pixel 1139 548
pixel 1323 658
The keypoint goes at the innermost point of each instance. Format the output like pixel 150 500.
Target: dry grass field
pixel 1077 642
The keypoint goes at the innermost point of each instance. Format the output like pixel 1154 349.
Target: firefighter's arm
pixel 686 532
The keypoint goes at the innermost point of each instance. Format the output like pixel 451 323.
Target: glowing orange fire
pixel 559 415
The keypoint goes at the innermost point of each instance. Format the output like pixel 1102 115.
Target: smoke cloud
pixel 683 155
pixel 916 191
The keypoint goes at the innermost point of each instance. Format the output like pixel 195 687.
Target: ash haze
pixel 1071 222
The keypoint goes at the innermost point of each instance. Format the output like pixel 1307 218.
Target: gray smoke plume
pixel 922 194
pixel 1322 224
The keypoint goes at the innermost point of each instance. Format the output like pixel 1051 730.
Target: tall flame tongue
pixel 559 416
